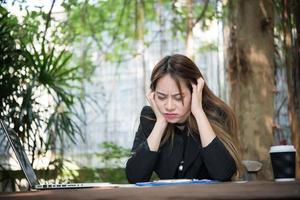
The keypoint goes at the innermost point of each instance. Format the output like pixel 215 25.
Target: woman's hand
pixel 196 105
pixel 157 132
pixel 206 132
pixel 150 98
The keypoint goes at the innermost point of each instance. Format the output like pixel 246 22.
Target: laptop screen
pixel 21 156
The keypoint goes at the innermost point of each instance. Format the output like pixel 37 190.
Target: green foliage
pixel 110 25
pixel 91 175
pixel 33 68
pixel 111 28
pixel 208 47
pixel 112 154
pixel 200 14
pixel 112 159
pixel 112 175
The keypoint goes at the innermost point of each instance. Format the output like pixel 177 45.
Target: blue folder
pixel 176 182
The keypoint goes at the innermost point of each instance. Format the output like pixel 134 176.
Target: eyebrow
pixel 160 93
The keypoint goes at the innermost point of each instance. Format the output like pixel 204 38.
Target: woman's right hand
pixel 157 132
pixel 150 98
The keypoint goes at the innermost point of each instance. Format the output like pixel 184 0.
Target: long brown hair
pixel 220 115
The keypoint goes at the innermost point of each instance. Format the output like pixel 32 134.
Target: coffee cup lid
pixel 282 148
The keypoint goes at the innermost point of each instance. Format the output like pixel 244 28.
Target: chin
pixel 173 121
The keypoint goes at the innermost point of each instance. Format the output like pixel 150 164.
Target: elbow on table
pixel 133 173
pixel 129 173
pixel 131 180
pixel 225 175
pixel 130 176
pixel 133 177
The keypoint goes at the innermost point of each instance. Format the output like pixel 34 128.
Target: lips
pixel 170 115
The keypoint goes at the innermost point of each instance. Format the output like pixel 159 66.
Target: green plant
pixel 39 87
pixel 113 155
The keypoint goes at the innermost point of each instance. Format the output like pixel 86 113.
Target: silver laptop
pixel 29 172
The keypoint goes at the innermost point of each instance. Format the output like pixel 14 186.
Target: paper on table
pixel 173 180
pixel 176 182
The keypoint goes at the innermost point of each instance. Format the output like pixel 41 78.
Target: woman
pixel 187 132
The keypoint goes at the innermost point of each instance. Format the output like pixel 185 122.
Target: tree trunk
pixel 250 70
pixel 295 91
pixel 292 62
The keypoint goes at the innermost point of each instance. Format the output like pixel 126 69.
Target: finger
pixel 200 80
pixel 193 86
pixel 200 84
pixel 153 95
pixel 148 97
pixel 152 101
pixel 194 89
pixel 151 98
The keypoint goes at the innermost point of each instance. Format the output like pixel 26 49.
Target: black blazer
pixel 212 162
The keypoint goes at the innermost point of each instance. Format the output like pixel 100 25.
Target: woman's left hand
pixel 196 105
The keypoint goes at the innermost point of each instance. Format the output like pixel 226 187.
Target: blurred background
pixel 74 74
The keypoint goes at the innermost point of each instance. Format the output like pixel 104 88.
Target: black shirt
pixel 211 162
pixel 179 172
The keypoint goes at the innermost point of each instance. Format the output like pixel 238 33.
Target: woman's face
pixel 169 100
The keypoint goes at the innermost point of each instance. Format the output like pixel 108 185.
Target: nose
pixel 170 105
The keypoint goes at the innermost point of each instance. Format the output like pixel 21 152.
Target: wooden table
pixel 230 190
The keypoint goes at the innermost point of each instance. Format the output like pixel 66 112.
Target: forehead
pixel 167 84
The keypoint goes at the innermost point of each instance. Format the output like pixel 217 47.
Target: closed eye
pixel 161 97
pixel 178 97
